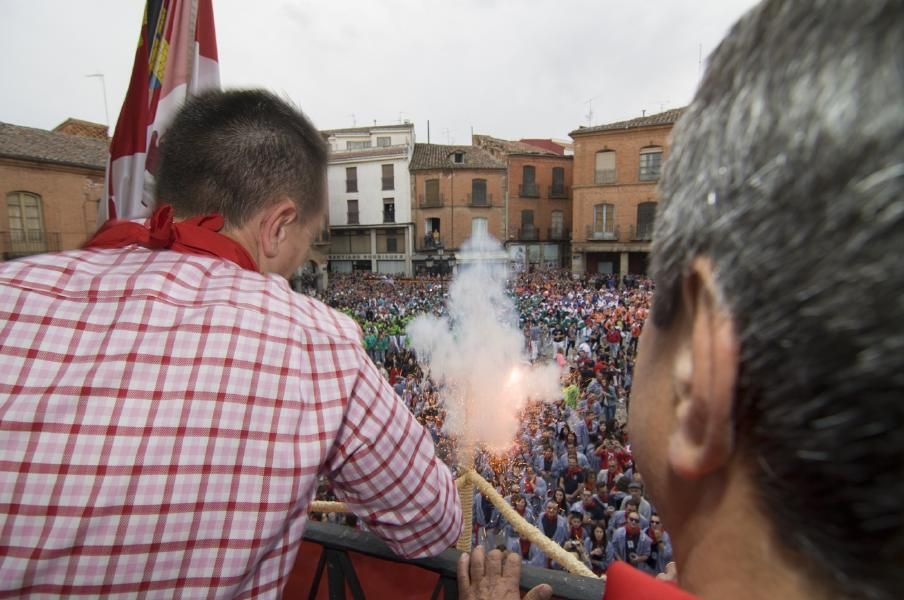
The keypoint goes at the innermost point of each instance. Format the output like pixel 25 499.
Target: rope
pixel 549 547
pixel 466 495
pixel 341 507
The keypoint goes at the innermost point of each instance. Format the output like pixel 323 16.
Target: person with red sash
pixel 766 408
pixel 168 402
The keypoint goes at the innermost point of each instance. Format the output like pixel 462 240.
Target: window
pixel 389 210
pixel 558 183
pixel 392 244
pixel 557 225
pixel 388 177
pixel 650 163
pixel 479 192
pixel 479 227
pixel 605 167
pixel 351 179
pixel 384 141
pixel 529 187
pixel 26 223
pixel 431 233
pixel 528 231
pixel 646 217
pixel 432 190
pixel 357 145
pixel 352 212
pixel 603 219
pixel 458 158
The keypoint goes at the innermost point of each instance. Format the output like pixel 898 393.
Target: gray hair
pixel 787 172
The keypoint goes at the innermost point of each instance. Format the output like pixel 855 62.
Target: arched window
pixel 646 217
pixel 650 163
pixel 26 223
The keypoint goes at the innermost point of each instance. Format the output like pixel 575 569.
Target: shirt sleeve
pixel 385 467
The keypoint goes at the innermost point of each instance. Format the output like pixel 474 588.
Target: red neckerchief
pixel 198 235
pixel 528 486
pixel 577 532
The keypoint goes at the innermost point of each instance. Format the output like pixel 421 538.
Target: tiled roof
pixel 28 143
pixel 439 156
pixel 664 118
pixel 499 147
pixel 82 128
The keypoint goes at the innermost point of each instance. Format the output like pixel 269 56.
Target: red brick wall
pixel 544 205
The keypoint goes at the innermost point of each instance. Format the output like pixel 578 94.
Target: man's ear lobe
pixel 704 376
pixel 274 223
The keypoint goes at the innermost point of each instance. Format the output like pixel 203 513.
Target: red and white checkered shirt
pixel 163 421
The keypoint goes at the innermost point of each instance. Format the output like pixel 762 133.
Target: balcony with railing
pixel 604 176
pixel 529 190
pixel 353 217
pixel 642 232
pixel 529 233
pixel 480 200
pixel 351 186
pixel 19 243
pixel 602 232
pixel 388 183
pixel 431 242
pixel 558 191
pixel 431 201
pixel 558 234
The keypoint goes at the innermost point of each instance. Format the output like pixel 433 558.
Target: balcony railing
pixel 432 242
pixel 529 190
pixel 642 232
pixel 604 176
pixel 351 185
pixel 528 232
pixel 352 217
pixel 649 172
pixel 345 562
pixel 431 202
pixel 605 233
pixel 22 243
pixel 480 201
pixel 388 183
pixel 558 191
pixel 558 234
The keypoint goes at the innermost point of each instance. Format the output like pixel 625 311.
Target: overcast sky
pixel 508 68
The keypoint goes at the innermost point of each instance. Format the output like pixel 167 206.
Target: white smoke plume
pixel 477 354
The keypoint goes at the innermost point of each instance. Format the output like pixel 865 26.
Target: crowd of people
pixel 569 470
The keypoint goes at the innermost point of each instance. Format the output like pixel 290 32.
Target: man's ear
pixel 704 375
pixel 274 223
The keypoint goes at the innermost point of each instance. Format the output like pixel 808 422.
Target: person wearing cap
pixel 635 492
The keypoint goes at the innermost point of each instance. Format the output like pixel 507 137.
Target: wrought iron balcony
pixel 529 190
pixel 604 176
pixel 431 201
pixel 14 244
pixel 432 242
pixel 558 234
pixel 351 185
pixel 642 232
pixel 480 201
pixel 353 217
pixel 602 233
pixel 528 232
pixel 558 191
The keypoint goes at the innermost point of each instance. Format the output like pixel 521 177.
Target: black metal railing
pixel 351 185
pixel 604 176
pixel 337 541
pixel 431 201
pixel 353 217
pixel 607 232
pixel 529 190
pixel 528 232
pixel 23 243
pixel 558 191
pixel 432 242
pixel 558 234
pixel 642 232
pixel 480 200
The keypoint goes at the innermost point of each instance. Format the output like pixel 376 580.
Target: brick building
pixel 50 183
pixel 537 203
pixel 457 191
pixel 616 169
